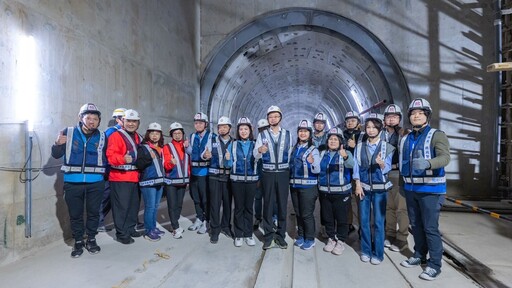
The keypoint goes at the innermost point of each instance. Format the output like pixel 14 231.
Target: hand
pixel 61 139
pixel 351 143
pixel 343 152
pixel 207 154
pixel 380 161
pixel 227 156
pixel 263 148
pixel 128 158
pixel 359 192
pixel 310 158
pixel 420 164
pixel 185 143
pixel 174 161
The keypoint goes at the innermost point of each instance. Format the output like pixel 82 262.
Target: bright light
pixel 26 85
pixel 356 99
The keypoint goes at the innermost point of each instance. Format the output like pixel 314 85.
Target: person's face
pixel 92 121
pixel 351 123
pixel 200 126
pixel 392 120
pixel 319 126
pixel 371 130
pixel 274 118
pixel 333 142
pixel 177 135
pixel 154 136
pixel 131 125
pixel 223 129
pixel 303 135
pixel 244 131
pixel 418 117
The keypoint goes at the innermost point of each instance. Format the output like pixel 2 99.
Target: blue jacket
pixel 244 167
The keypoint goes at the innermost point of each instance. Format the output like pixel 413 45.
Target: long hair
pixel 310 139
pixel 160 142
pixel 251 136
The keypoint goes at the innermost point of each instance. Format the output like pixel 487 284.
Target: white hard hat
pixel 335 131
pixel 262 123
pixel 274 109
pixel 420 103
pixel 175 126
pixel 375 116
pixel 244 121
pixel 89 108
pixel 200 116
pixel 131 114
pixel 393 109
pixel 155 127
pixel 224 121
pixel 320 117
pixel 118 112
pixel 352 114
pixel 305 124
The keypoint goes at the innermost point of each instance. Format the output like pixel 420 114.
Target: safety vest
pixel 179 173
pixel 153 175
pixel 333 177
pixel 198 147
pixel 245 167
pixel 84 155
pixel 431 180
pixel 393 140
pixel 131 148
pixel 276 158
pixel 370 174
pixel 300 168
pixel 217 161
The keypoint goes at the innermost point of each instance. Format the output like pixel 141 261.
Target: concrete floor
pixel 195 262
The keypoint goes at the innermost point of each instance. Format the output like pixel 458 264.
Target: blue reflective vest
pixel 245 167
pixel 178 176
pixel 217 161
pixel 276 158
pixel 370 174
pixel 84 155
pixel 301 175
pixel 153 175
pixel 199 166
pixel 333 177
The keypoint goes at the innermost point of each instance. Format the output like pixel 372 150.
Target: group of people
pixel 397 179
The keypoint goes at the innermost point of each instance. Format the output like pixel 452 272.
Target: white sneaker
pixel 330 245
pixel 178 233
pixel 203 228
pixel 250 241
pixel 387 243
pixel 238 242
pixel 196 225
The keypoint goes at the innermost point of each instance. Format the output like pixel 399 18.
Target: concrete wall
pixel 442 48
pixel 119 53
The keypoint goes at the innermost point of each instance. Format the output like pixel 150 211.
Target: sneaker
pixel 339 248
pixel 238 242
pixel 214 239
pixel 412 262
pixel 159 232
pixel 256 224
pixel 178 233
pixel 429 274
pixel 330 245
pixel 308 244
pixel 203 228
pixel 196 225
pixel 375 261
pixel 398 246
pixel 140 227
pixel 365 258
pixel 125 241
pixel 323 233
pixel 136 234
pixel 78 249
pixel 101 228
pixel 387 243
pixel 152 236
pixel 299 241
pixel 92 246
pixel 250 241
pixel 268 244
pixel 280 242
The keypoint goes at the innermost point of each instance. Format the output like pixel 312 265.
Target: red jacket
pixel 116 150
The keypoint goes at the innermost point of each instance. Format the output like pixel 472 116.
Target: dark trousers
pixel 199 194
pixel 125 207
pixel 243 193
pixel 77 195
pixel 334 212
pixel 275 191
pixel 105 206
pixel 304 200
pixel 258 202
pixel 423 210
pixel 174 195
pixel 220 195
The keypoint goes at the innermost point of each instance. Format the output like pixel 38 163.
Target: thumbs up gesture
pixel 380 161
pixel 186 143
pixel 227 156
pixel 310 158
pixel 263 148
pixel 207 154
pixel 61 138
pixel 128 158
pixel 351 143
pixel 342 152
pixel 174 161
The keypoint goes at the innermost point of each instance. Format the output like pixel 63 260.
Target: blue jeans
pixel 423 210
pixel 377 201
pixel 152 197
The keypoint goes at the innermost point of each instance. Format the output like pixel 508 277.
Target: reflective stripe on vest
pixel 181 166
pixel 276 156
pixel 304 181
pixel 372 187
pixel 128 138
pixel 86 169
pixel 425 180
pixel 151 182
pixel 244 178
pixel 335 188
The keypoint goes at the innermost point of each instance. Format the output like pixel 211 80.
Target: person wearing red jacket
pixel 177 175
pixel 124 177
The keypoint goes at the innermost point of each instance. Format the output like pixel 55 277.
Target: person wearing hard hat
pixel 83 148
pixel 423 155
pixel 244 177
pixel 258 198
pixel 274 147
pixel 372 163
pixel 396 208
pixel 218 182
pixel 124 177
pixel 335 189
pixel 319 135
pixel 150 163
pixel 199 148
pixel 352 136
pixel 304 169
pixel 177 176
pixel 106 206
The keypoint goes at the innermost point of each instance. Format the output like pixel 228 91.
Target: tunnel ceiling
pixel 303 69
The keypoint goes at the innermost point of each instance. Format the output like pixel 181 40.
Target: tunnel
pixel 304 61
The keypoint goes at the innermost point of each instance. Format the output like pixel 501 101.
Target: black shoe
pixel 214 239
pixel 269 243
pixel 78 249
pixel 227 233
pixel 140 227
pixel 92 246
pixel 280 242
pixel 256 224
pixel 136 234
pixel 125 241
